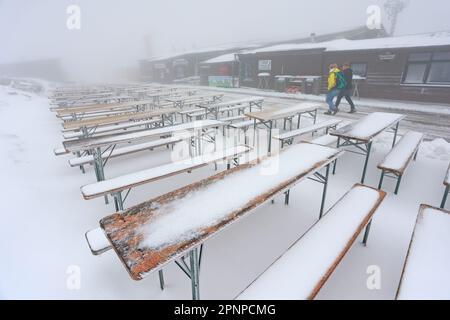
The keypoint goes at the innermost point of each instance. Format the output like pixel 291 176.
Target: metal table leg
pixel 369 147
pixel 324 194
pixel 366 233
pixel 395 134
pixel 444 198
pixel 193 255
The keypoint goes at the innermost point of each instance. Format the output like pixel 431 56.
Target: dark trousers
pixel 347 93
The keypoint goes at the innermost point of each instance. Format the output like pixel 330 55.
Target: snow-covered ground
pixel 45 217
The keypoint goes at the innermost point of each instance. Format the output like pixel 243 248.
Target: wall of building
pixel 384 77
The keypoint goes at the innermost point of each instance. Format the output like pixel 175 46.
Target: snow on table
pixel 281 113
pixel 145 176
pixel 248 100
pixel 108 120
pixel 116 127
pixel 107 140
pixel 150 235
pixel 102 106
pixel 426 271
pixel 194 98
pixel 369 127
pixel 309 129
pixel 303 269
pixel 404 150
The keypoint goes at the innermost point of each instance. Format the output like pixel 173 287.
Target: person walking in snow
pixel 347 91
pixel 336 82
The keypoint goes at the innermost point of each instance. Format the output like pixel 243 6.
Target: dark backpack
pixel 341 82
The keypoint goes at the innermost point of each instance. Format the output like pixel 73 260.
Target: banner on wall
pixel 220 81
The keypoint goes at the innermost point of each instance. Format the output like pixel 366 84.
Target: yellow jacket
pixel 332 78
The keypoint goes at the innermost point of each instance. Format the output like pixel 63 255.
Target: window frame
pixel 428 64
pixel 360 62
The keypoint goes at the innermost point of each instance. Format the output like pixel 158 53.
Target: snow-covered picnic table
pixel 97 108
pixel 182 101
pixel 361 134
pixel 117 185
pixel 166 114
pixel 267 118
pixel 215 109
pixel 447 187
pixel 150 235
pixel 79 100
pixel 95 144
pixel 426 271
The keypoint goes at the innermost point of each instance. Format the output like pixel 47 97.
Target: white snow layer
pixel 183 219
pixel 373 123
pixel 397 158
pixel 426 275
pixel 298 271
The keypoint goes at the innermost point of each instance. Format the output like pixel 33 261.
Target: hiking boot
pixel 352 111
pixel 335 111
pixel 328 113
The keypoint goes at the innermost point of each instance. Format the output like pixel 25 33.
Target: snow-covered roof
pixel 229 57
pixel 409 41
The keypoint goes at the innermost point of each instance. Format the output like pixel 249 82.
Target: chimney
pixel 313 37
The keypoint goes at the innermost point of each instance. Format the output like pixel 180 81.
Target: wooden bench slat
pixel 304 268
pixel 426 270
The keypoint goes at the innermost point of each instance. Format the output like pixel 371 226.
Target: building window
pixel 359 69
pixel 428 68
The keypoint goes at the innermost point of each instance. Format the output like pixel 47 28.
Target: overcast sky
pixel 119 32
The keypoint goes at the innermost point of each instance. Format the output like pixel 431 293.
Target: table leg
pixel 270 137
pixel 366 233
pixel 444 198
pixel 324 194
pixel 193 255
pixel 369 147
pixel 395 134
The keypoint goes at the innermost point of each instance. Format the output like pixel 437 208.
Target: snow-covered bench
pixel 447 188
pixel 97 241
pixel 303 269
pixel 400 157
pixel 426 270
pixel 89 159
pixel 60 151
pixel 116 185
pixel 234 118
pixel 325 140
pixel 112 128
pixel 288 137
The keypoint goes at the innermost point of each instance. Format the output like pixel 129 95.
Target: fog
pixel 114 35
